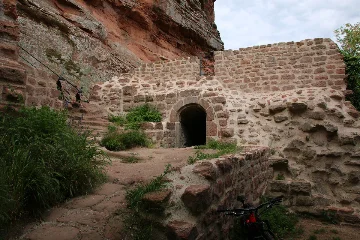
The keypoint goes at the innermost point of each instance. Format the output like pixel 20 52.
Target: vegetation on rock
pixel 43 161
pixel 221 147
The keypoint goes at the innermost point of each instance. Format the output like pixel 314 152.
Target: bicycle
pixel 250 220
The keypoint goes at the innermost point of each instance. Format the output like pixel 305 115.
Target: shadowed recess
pixel 193 125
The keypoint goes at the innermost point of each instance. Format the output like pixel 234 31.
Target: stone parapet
pixel 282 66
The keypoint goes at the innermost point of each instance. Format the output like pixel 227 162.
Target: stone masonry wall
pixel 282 66
pixel 196 191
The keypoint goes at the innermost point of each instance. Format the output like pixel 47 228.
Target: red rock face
pixel 113 36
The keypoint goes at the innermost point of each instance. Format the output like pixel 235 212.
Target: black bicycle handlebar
pixel 242 211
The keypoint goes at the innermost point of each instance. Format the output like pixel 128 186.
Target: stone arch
pixel 193 118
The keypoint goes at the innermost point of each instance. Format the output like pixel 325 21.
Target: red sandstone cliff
pixel 93 40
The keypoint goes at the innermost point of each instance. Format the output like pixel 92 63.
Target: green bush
pixel 136 116
pixel 115 141
pixel 43 161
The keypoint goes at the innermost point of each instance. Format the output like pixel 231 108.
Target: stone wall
pixel 282 66
pixel 198 190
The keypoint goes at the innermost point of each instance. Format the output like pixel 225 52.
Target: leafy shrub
pixel 43 161
pixel 222 147
pixel 115 141
pixel 136 116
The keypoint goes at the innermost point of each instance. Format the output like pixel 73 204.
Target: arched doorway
pixel 192 119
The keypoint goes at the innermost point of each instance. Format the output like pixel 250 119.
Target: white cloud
pixel 244 23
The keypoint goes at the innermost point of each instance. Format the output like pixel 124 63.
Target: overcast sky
pixel 246 23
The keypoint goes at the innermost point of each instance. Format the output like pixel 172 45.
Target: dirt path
pixel 96 216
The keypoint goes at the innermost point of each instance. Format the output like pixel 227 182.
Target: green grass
pixel 115 141
pixel 136 116
pixel 137 221
pixel 43 161
pixel 221 147
pixel 336 238
pixel 334 231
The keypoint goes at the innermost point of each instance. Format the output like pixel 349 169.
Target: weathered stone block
pixel 276 108
pixel 205 169
pixel 297 107
pixel 180 230
pixel 227 132
pixel 280 118
pixel 301 188
pixel 197 198
pixel 279 186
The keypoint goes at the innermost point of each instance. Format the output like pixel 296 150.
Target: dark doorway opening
pixel 193 125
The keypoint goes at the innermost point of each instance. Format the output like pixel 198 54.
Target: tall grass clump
pixel 43 161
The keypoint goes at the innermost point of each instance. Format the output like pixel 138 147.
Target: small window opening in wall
pixel 193 125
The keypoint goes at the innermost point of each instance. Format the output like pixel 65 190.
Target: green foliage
pixel 221 147
pixel 334 231
pixel 43 161
pixel 134 196
pixel 349 38
pixel 115 141
pixel 353 80
pixel 138 221
pixel 136 116
pixel 280 176
pixel 112 128
pixel 282 222
pixel 144 113
pixel 118 120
